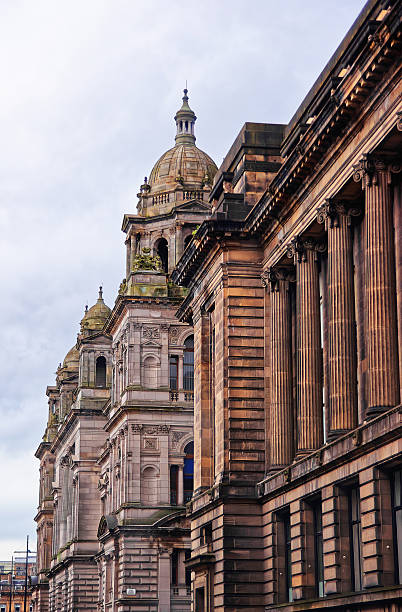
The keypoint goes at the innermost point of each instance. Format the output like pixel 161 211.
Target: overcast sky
pixel 89 89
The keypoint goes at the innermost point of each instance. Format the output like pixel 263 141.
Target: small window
pixel 188 472
pixel 318 550
pixel 283 557
pixel 397 523
pixel 200 600
pixel 206 534
pixel 174 474
pixel 163 252
pixel 355 538
pixel 188 364
pixel 173 372
pixel 100 374
pixel 187 556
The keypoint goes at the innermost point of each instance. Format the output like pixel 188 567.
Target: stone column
pixel 180 486
pixel 341 318
pixel 380 306
pixel 179 241
pixel 281 413
pixel 309 360
pixel 164 580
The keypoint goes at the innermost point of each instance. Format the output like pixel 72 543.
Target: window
pixel 188 364
pixel 396 498
pixel 199 600
pixel 283 557
pixel 187 555
pixel 188 472
pixel 355 538
pixel 206 534
pixel 174 566
pixel 100 375
pixel 174 472
pixel 17 608
pixel 173 372
pixel 163 252
pixel 318 550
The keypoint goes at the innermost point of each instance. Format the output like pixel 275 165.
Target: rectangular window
pixel 173 372
pixel 174 474
pixel 175 567
pixel 206 534
pixel 396 499
pixel 318 550
pixel 283 557
pixel 355 538
pixel 187 556
pixel 200 600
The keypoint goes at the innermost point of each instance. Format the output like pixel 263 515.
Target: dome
pixel 72 359
pixel 185 164
pixel 182 173
pixel 95 318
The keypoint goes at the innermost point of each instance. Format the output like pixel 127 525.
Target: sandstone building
pixel 295 296
pixel 116 460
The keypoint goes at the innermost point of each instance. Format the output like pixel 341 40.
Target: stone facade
pixel 117 455
pixel 295 298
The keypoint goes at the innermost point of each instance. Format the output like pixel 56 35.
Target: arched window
pixel 163 252
pixel 188 471
pixel 100 372
pixel 188 364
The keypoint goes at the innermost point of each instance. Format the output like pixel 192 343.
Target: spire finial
pixel 100 293
pixel 86 308
pixel 185 119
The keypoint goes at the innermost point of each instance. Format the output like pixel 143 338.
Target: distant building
pixel 295 297
pixel 116 460
pixel 12 584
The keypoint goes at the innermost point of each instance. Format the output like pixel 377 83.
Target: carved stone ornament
pixel 370 166
pixel 330 211
pixel 150 443
pixel 272 276
pixel 136 428
pixel 145 261
pixel 298 247
pixel 151 333
pixel 174 335
pixel 176 437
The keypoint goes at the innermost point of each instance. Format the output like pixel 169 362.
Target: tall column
pixel 179 240
pixel 309 360
pixel 281 413
pixel 380 306
pixel 341 318
pixel 180 487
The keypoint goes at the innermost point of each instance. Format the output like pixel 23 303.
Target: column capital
pixel 371 165
pixel 271 276
pixel 331 210
pixel 298 247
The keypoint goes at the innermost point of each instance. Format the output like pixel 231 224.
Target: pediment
pixel 195 206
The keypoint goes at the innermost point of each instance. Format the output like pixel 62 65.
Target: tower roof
pixel 183 167
pixel 95 318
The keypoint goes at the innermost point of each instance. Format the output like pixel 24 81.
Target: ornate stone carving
pixel 145 261
pixel 330 211
pixel 176 437
pixel 272 275
pixel 297 248
pixel 174 335
pixel 150 443
pixel 369 167
pixel 136 428
pixel 151 333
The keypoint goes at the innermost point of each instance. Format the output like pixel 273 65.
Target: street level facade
pixel 116 459
pixel 295 297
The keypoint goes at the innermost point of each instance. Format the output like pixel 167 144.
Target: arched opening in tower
pixel 163 252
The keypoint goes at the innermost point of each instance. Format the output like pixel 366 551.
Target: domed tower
pixel 173 202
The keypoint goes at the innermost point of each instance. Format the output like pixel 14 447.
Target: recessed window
pixel 397 523
pixel 355 538
pixel 188 364
pixel 173 372
pixel 188 472
pixel 100 372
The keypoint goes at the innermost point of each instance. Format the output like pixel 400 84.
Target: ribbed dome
pixel 185 164
pixel 95 318
pixel 72 359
